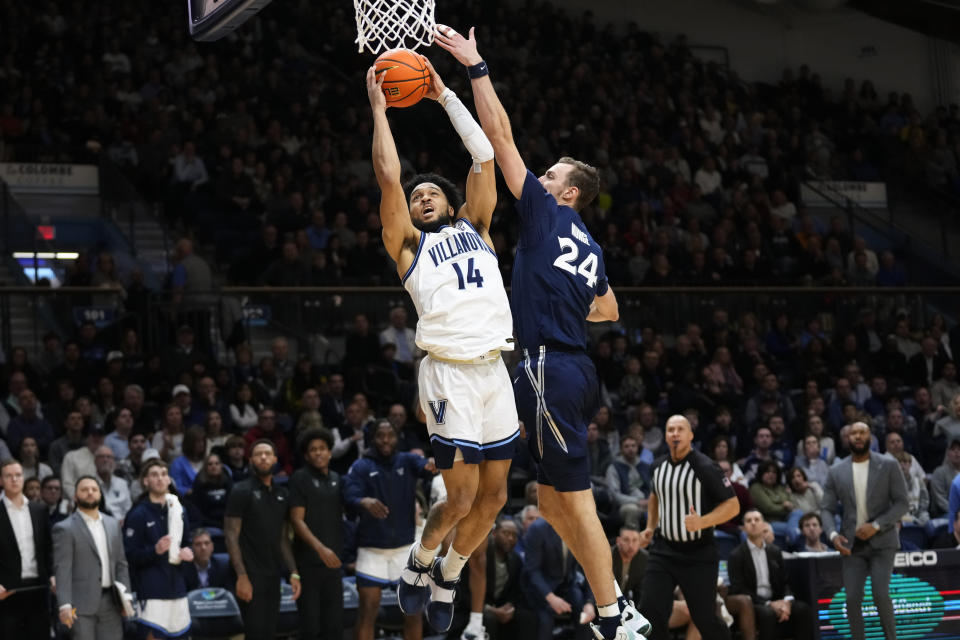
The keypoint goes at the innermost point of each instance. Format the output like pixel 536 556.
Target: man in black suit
pixel 205 571
pixel 629 562
pixel 26 558
pixel 924 367
pixel 757 569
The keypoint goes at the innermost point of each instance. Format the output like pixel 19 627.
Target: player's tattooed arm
pixel 231 534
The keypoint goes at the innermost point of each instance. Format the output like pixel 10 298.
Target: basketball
pixel 407 76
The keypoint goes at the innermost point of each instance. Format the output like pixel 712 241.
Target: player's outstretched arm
pixel 481 196
pixel 398 231
pixel 493 117
pixel 604 308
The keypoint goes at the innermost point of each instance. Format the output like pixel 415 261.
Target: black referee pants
pixel 696 577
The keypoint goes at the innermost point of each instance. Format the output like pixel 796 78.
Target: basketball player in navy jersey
pixel 560 283
pixel 446 261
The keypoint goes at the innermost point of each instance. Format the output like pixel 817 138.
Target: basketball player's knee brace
pixel 474 139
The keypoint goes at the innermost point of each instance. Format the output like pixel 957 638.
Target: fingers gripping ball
pixel 407 77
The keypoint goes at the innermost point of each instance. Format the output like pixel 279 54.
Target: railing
pixel 319 318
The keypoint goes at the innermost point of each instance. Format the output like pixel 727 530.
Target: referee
pixel 686 483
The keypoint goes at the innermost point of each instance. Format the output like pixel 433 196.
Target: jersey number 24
pixel 569 255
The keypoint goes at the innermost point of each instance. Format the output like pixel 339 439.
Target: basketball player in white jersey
pixel 446 261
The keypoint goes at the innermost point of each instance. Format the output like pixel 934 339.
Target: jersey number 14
pixel 473 275
pixel 569 255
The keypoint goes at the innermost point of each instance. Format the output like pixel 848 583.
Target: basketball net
pixel 389 24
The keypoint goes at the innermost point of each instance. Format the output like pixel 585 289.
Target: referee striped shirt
pixel 695 481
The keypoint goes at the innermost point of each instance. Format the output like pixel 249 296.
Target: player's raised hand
pixel 375 89
pixel 692 521
pixel 436 82
pixel 463 49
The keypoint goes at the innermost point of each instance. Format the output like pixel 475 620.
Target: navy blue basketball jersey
pixel 557 273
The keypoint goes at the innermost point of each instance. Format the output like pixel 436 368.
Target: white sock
pixel 424 556
pixel 452 564
pixel 609 611
pixel 616 586
pixel 476 620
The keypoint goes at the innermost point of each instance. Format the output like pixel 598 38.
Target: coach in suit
pixel 551 580
pixel 629 562
pixel 89 559
pixel 206 570
pixel 25 560
pixel 757 569
pixel 873 494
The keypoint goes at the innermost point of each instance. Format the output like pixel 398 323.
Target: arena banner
pixel 51 178
pixel 925 589
pixel 821 194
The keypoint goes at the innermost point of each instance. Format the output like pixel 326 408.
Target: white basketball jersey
pixel 457 289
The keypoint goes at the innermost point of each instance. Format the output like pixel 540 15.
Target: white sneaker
pixel 622 634
pixel 634 621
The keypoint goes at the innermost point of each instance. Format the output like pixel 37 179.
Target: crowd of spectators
pixel 259 144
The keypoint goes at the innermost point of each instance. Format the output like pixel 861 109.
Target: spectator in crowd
pixel 946 387
pixel 812 532
pixel 267 429
pixel 210 490
pixel 157 542
pixel 118 437
pixel 309 416
pixel 184 355
pixel 131 466
pixel 214 436
pixel 949 425
pixel 380 486
pixel 25 559
pixel 769 494
pixel 810 461
pixel 29 423
pixel 316 513
pixel 87 578
pixel 206 570
pixel 235 462
pixel 401 336
pixel 918 497
pixel 114 491
pixel 505 613
pixel 629 562
pixel 29 458
pixel 942 476
pixel 350 439
pixel 82 461
pixel 733 526
pixel 757 569
pixel 257 536
pixel 57 506
pixel 244 410
pixel 143 417
pixel 629 482
pixel 926 366
pixel 762 441
pixel 31 489
pixel 805 495
pixel 552 580
pixel 168 439
pixel 184 469
pixel 190 412
pixel 333 404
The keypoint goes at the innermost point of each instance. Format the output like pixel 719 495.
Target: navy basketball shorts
pixel 557 396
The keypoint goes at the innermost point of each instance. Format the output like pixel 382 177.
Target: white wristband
pixel 470 132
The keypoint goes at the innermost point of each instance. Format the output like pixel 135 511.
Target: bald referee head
pixel 679 436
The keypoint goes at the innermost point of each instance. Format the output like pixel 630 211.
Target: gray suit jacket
pixel 77 563
pixel 886 500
